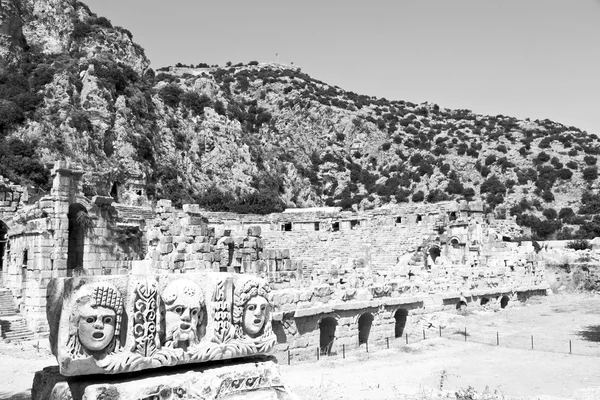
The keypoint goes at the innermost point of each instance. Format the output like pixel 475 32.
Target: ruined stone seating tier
pixel 117 324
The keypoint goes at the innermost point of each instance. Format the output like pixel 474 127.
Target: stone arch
pixel 78 225
pixel 3 242
pixel 327 327
pixel 434 252
pixel 484 300
pixel 365 322
pixel 400 317
pixel 504 301
pixel 454 242
pixel 461 305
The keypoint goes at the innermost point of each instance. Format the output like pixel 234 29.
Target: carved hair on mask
pixel 184 313
pixel 252 308
pixel 95 322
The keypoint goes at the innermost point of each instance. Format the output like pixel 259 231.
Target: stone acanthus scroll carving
pixel 144 318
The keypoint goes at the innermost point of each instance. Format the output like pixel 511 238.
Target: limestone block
pixel 249 380
pixel 254 231
pixel 201 239
pixel 191 208
pixel 272 265
pixel 164 203
pixel 165 248
pixel 287 264
pixel 117 324
pixel 270 254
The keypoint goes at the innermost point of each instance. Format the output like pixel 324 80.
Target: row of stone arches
pixel 504 300
pixel 328 326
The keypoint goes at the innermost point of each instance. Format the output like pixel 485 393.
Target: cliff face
pixel 260 137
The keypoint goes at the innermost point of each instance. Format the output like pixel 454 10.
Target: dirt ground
pixel 420 370
pixel 511 370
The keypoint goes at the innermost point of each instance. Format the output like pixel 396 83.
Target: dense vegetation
pixel 256 138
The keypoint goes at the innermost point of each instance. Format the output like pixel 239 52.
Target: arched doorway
pixel 504 301
pixel 79 223
pixel 364 327
pixel 327 329
pixel 3 242
pixel 461 305
pixel 434 252
pixel 400 316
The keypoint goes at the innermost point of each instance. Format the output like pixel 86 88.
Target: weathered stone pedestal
pixel 245 380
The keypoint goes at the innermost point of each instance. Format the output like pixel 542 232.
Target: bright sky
pixel 523 58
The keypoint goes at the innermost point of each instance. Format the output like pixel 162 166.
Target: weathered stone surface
pixel 248 380
pixel 115 324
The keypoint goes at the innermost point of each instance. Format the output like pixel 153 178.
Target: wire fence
pixel 533 342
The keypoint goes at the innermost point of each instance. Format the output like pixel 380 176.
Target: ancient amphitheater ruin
pixel 336 277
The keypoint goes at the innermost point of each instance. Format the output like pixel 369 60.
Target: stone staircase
pixel 13 326
pixel 7 303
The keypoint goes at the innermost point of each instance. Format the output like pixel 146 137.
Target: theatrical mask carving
pixel 252 308
pixel 95 321
pixel 184 313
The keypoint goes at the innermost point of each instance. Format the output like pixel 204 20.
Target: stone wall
pixel 314 259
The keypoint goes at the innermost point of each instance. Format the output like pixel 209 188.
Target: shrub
pixel 10 114
pixel 501 148
pixel 80 30
pixel 572 164
pixel 550 213
pixel 489 160
pixel 455 187
pixel 590 173
pixel 80 121
pixel 590 203
pixel 418 196
pixel 579 244
pixel 566 214
pixel 100 21
pixel 171 95
pixel 437 195
pixel 541 158
pixel 590 160
pixel 564 174
pixel 195 102
pixel 386 146
pixel 253 63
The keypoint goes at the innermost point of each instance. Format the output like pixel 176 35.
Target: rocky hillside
pixel 260 137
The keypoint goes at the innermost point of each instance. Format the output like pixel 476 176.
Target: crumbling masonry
pixel 338 277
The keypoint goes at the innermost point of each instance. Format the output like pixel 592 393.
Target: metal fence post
pixel 440 331
pixel 497 339
pixel 423 334
pixel 289 357
pixel 367 346
pixel 465 333
pixel 570 347
pixel 344 351
pixel 407 338
pixel 387 340
pixel 318 351
pixel 531 342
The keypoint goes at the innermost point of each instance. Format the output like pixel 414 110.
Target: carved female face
pixel 255 315
pixel 96 327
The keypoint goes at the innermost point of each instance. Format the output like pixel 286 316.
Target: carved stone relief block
pixel 117 324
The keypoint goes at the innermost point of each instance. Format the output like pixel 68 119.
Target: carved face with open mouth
pixel 255 315
pixel 96 327
pixel 183 306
